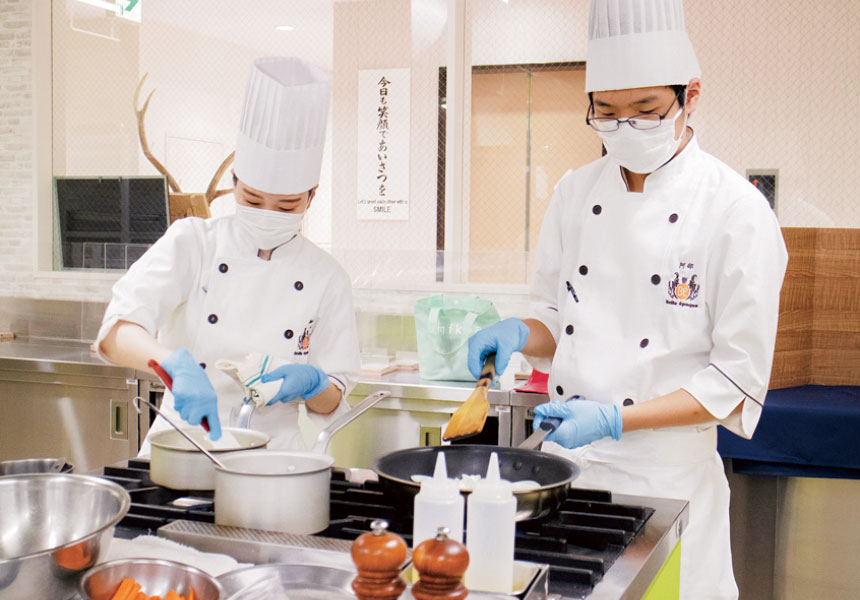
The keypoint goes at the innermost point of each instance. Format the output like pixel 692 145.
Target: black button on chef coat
pixel 628 402
pixel 655 279
pixel 298 285
pixel 643 343
pixel 223 267
pixel 673 217
pixel 213 318
pixel 202 365
pixel 559 390
pixel 597 209
pixel 569 330
pixel 583 270
pixel 288 333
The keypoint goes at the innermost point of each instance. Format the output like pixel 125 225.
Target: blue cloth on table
pixel 810 431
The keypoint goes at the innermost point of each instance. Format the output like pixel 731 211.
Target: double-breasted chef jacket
pixel 203 287
pixel 646 293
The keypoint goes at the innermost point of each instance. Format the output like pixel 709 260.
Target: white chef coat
pixel 646 293
pixel 201 286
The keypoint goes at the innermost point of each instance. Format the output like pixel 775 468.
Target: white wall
pixel 779 91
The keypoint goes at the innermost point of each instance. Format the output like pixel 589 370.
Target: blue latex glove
pixel 582 422
pixel 299 381
pixel 193 394
pixel 504 338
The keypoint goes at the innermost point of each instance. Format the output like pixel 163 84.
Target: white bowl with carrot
pixel 148 579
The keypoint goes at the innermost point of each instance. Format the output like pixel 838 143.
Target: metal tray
pixel 311 581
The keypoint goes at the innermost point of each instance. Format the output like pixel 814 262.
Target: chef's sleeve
pixel 746 264
pixel 158 282
pixel 334 344
pixel 543 290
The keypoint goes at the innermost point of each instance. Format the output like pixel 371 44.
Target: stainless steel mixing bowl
pixel 52 529
pixel 156 577
pixel 26 466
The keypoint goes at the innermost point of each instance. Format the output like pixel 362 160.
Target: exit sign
pixel 765 181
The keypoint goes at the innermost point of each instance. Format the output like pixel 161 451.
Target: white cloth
pixel 676 287
pixel 150 546
pixel 638 43
pixel 202 286
pixel 247 373
pixel 282 130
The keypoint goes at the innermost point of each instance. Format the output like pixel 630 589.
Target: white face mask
pixel 268 228
pixel 643 151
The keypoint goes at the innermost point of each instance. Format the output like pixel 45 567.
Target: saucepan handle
pixel 324 437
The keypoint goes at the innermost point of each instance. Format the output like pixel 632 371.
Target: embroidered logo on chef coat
pixel 305 340
pixel 683 289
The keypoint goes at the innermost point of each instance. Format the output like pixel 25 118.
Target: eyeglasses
pixel 642 122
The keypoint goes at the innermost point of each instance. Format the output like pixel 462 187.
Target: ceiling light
pixel 284 27
pixel 100 4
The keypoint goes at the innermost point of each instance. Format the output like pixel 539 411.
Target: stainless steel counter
pixel 627 579
pixel 58 399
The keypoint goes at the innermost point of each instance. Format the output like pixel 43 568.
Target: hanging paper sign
pixel 383 144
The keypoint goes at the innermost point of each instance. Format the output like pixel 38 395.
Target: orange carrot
pixel 127 589
pixel 141 596
pixel 172 595
pixel 191 594
pixel 74 557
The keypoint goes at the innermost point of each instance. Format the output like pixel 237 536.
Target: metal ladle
pixel 191 440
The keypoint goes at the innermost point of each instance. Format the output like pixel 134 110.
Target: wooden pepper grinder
pixel 378 556
pixel 441 563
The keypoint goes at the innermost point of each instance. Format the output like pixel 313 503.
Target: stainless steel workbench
pixel 58 399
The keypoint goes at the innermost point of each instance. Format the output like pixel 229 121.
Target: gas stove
pixel 596 545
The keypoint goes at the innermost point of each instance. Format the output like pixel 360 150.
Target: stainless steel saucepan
pixel 281 490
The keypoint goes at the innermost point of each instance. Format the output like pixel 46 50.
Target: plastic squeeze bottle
pixel 490 530
pixel 438 504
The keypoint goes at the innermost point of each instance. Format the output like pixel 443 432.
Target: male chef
pixel 656 291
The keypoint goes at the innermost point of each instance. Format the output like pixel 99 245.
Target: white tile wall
pixel 17 210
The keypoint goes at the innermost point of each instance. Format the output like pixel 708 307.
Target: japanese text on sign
pixel 383 144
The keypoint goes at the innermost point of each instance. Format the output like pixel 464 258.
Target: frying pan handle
pixel 167 380
pixel 550 424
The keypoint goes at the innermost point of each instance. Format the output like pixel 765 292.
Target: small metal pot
pixel 276 490
pixel 280 490
pixel 176 464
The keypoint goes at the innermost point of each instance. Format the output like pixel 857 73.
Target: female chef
pixel 656 291
pixel 221 288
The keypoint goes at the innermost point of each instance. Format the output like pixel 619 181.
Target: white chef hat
pixel 282 131
pixel 638 43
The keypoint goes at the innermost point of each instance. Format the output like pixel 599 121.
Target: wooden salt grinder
pixel 378 556
pixel 441 563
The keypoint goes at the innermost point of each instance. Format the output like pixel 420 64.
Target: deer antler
pixel 144 144
pixel 211 191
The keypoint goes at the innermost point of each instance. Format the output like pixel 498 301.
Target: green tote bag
pixel 443 325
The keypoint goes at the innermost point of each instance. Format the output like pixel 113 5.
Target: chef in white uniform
pixel 656 291
pixel 222 288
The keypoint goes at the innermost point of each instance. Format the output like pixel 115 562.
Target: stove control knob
pixel 440 563
pixel 378 556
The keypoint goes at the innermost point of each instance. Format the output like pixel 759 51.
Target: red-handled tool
pixel 168 382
